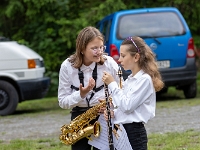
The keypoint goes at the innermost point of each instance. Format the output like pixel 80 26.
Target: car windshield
pixel 150 25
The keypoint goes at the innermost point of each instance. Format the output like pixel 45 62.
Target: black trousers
pixel 83 143
pixel 137 135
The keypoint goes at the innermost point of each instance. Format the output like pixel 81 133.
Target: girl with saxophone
pixel 80 78
pixel 135 103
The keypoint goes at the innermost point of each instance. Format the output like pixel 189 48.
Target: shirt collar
pixel 137 75
pixel 91 66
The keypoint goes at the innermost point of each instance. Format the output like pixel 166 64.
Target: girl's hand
pixel 101 110
pixel 107 78
pixel 106 114
pixel 89 87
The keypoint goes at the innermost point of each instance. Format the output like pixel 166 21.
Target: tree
pixel 50 27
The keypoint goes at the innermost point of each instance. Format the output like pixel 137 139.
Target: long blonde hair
pixel 147 59
pixel 85 36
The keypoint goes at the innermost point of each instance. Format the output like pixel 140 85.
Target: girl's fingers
pixel 106 114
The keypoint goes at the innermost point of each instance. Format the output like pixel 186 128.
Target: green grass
pixel 41 144
pixel 189 140
pixel 41 106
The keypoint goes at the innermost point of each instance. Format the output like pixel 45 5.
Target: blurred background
pixel 50 27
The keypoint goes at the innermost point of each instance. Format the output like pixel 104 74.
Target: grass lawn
pixel 189 140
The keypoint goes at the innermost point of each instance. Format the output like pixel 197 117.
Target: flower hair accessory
pixel 131 39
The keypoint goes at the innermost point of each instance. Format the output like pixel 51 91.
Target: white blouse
pixel 136 102
pixel 68 97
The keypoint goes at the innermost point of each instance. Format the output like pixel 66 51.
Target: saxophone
pixel 79 127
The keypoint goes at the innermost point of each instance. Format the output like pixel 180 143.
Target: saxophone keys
pixel 115 133
pixel 118 127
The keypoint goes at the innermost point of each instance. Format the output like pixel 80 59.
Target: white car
pixel 21 76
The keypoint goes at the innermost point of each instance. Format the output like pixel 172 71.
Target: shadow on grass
pixel 32 111
pixel 170 94
pixel 165 97
pixel 39 106
pixel 40 110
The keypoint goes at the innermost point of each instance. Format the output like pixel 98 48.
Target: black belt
pixel 80 109
pixel 134 124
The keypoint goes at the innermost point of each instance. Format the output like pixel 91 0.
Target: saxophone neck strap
pixel 81 78
pixel 94 76
pixel 96 90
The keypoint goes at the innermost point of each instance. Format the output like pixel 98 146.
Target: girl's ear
pixel 137 57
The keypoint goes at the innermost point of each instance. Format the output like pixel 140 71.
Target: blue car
pixel 167 34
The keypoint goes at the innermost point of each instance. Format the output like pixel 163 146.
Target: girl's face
pixel 93 51
pixel 127 61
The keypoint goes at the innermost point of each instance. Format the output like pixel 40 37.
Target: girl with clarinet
pixel 135 103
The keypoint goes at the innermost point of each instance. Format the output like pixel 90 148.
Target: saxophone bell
pixel 71 138
pixel 79 127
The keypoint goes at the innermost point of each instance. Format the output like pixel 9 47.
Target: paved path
pixel 166 120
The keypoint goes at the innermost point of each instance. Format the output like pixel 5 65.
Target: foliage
pixel 50 27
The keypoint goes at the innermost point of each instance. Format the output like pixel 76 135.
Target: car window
pixel 150 25
pixel 106 29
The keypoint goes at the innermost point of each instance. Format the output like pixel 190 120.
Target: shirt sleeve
pixel 128 101
pixel 66 97
pixel 114 68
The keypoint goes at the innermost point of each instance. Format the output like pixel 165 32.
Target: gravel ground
pixel 166 120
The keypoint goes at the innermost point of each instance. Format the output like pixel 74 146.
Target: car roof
pixel 141 10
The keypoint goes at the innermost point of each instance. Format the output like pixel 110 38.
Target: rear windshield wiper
pixel 149 36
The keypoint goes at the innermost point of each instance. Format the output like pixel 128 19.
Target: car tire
pixel 8 98
pixel 190 91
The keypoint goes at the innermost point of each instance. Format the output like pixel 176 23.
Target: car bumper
pixel 180 76
pixel 34 89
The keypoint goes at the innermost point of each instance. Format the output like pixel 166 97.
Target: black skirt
pixel 137 135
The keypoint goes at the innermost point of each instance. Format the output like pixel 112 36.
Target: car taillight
pixel 114 52
pixel 190 51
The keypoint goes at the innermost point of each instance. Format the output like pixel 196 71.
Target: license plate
pixel 163 64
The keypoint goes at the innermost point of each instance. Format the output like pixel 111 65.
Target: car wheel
pixel 190 91
pixel 8 98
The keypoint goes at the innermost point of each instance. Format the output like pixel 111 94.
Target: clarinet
pixel 120 77
pixel 109 123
